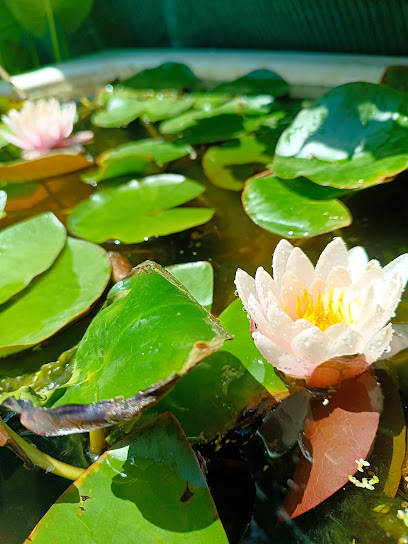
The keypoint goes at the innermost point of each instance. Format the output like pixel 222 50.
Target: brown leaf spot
pixel 187 495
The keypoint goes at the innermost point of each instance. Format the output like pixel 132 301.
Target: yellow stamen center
pixel 323 313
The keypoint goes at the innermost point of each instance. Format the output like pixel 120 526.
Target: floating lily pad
pixel 3 200
pixel 65 291
pixel 396 77
pixel 19 190
pixel 26 250
pixel 138 210
pixel 53 164
pixel 169 75
pixel 249 149
pixel 122 109
pixel 254 83
pixel 197 278
pixel 237 107
pixel 151 331
pixel 294 208
pixel 124 488
pixel 141 157
pixel 353 137
pixel 228 387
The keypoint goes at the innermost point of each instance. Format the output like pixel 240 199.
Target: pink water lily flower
pixel 326 323
pixel 39 127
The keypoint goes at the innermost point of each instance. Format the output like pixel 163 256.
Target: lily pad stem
pixel 152 130
pixel 43 460
pixel 97 442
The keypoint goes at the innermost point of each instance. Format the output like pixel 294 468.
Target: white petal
pixel 300 266
pixel 283 361
pixel 399 266
pixel 280 258
pixel 357 260
pixel 333 255
pixel 311 344
pixel 245 285
pixel 266 288
pixel 349 342
pixel 267 348
pixel 338 277
pixel 378 344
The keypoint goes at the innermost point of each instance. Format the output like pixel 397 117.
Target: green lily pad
pixel 295 208
pixel 119 111
pixel 138 210
pixel 122 109
pixel 353 137
pixel 237 107
pixel 67 290
pixel 3 201
pixel 141 157
pixel 197 278
pixel 18 190
pixel 151 331
pixel 170 75
pixel 228 387
pixel 26 250
pixel 256 82
pixel 217 160
pixel 124 488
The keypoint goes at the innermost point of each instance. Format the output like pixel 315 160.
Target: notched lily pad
pixel 151 333
pixel 169 75
pixel 54 164
pixel 218 160
pixel 198 278
pixel 228 121
pixel 256 82
pixel 26 250
pixel 67 290
pixel 141 157
pixel 123 108
pixel 295 208
pixel 227 390
pixel 124 488
pixel 353 137
pixel 138 210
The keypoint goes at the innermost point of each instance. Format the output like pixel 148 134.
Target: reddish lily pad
pixel 338 435
pixel 53 164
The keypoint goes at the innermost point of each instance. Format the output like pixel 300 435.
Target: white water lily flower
pixel 326 323
pixel 42 126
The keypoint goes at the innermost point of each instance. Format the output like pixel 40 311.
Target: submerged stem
pixel 53 32
pixel 151 129
pixel 43 460
pixel 97 442
pixel 51 194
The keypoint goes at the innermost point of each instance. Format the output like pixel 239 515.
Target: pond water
pixel 247 484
